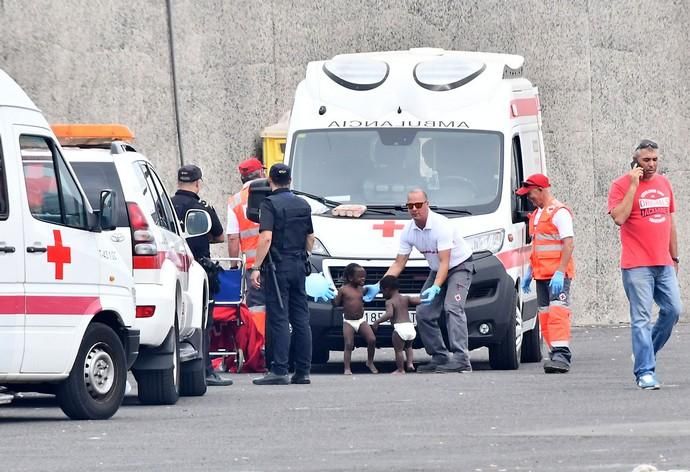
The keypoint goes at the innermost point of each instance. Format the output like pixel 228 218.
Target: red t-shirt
pixel 646 234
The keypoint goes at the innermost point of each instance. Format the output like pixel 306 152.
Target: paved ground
pixel 593 419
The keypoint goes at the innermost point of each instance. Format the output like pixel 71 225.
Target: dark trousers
pixel 291 276
pixel 207 339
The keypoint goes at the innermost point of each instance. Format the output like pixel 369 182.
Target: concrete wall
pixel 610 72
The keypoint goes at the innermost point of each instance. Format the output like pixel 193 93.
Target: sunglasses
pixel 647 144
pixel 417 205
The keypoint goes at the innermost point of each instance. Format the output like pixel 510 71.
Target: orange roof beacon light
pixel 91 134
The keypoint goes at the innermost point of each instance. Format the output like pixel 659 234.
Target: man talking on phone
pixel 641 202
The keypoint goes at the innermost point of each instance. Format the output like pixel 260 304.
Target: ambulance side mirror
pixel 106 210
pixel 258 190
pixel 196 223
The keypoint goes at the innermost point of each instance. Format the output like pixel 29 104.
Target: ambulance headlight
pixel 446 72
pixel 490 241
pixel 356 74
pixel 319 249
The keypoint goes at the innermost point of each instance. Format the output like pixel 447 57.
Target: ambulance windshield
pixel 457 168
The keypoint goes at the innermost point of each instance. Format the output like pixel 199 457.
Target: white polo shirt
pixel 439 234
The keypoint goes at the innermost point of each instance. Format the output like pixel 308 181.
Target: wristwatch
pixel 254 268
pixel 676 260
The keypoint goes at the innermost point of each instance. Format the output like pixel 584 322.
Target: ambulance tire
pixel 81 399
pixel 506 355
pixel 162 386
pixel 531 345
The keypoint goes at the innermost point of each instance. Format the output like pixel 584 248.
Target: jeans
pixel 642 286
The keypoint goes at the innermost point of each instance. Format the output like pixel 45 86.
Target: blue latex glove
pixel 556 284
pixel 527 280
pixel 370 291
pixel 429 294
pixel 318 287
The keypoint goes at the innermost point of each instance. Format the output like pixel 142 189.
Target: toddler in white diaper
pixel 354 321
pixel 398 312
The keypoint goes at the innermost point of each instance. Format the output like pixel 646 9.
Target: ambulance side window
pixel 51 190
pixel 4 206
pixel 516 174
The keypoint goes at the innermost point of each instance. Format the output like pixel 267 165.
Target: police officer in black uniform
pixel 286 233
pixel 187 198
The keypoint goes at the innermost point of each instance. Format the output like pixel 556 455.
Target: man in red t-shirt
pixel 642 204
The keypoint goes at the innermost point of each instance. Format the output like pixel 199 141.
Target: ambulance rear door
pixel 11 262
pixel 62 263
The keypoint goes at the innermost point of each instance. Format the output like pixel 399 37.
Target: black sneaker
pixel 215 380
pixel 300 379
pixel 272 379
pixel 556 367
pixel 452 367
pixel 428 368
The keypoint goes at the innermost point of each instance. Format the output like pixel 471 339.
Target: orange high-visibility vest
pixel 547 245
pixel 249 231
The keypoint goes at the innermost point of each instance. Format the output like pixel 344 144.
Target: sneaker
pixel 272 379
pixel 452 366
pixel 648 382
pixel 428 368
pixel 215 380
pixel 300 379
pixel 556 367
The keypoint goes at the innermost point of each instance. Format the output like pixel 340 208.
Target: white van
pixel 66 298
pixel 463 126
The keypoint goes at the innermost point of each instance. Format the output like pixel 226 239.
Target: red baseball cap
pixel 533 181
pixel 250 165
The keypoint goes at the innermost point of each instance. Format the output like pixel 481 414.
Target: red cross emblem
pixel 388 228
pixel 59 254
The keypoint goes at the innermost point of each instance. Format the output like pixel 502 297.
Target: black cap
pixel 280 174
pixel 189 173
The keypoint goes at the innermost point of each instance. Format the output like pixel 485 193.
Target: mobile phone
pixel 634 164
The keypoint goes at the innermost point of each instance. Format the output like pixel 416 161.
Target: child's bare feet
pixel 396 371
pixel 372 368
pixel 347 372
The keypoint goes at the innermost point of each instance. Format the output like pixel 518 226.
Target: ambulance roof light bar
pixel 91 134
pixel 356 73
pixel 446 72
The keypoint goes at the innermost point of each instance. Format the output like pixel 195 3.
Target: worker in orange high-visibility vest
pixel 552 266
pixel 243 237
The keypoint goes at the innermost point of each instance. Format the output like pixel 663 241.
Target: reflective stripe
pixel 548 247
pixel 250 253
pixel 257 309
pixel 548 237
pixel 560 344
pixel 248 233
pixel 559 303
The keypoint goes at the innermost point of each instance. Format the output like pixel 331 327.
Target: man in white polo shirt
pixel 450 260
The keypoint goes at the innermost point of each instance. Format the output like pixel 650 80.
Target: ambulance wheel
pixel 161 386
pixel 506 354
pixel 96 384
pixel 531 344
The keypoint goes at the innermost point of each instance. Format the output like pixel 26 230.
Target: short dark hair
pixel 350 270
pixel 389 282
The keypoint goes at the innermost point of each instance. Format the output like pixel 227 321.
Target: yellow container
pixel 274 138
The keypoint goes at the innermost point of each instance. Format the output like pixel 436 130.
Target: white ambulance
pixel 465 127
pixel 66 298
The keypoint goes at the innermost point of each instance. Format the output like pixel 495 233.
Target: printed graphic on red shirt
pixel 654 204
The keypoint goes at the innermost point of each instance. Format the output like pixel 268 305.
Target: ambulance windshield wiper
pixel 454 211
pixel 318 198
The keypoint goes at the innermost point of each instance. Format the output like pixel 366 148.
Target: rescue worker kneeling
pixel 285 237
pixel 553 267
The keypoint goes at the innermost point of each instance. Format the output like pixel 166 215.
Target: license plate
pixel 375 315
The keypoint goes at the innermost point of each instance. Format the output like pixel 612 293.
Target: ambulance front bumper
pixel 489 305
